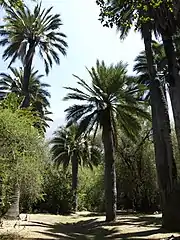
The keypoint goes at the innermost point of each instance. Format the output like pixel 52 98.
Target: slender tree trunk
pixel 1 193
pixel 165 163
pixel 174 83
pixel 27 72
pixel 109 173
pixel 75 182
pixel 13 211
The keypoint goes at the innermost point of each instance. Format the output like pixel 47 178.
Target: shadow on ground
pixel 96 229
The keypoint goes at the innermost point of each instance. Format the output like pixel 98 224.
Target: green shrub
pixel 57 197
pixel 91 189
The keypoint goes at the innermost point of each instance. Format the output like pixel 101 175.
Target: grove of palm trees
pixel 112 169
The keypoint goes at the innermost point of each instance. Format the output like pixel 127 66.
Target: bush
pixel 91 189
pixel 57 197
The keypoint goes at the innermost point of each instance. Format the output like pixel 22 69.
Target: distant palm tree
pixel 24 32
pixel 39 95
pixel 37 90
pixel 68 148
pixel 109 102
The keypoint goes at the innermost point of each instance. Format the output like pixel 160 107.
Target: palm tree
pixel 68 148
pixel 109 102
pixel 37 90
pixel 24 32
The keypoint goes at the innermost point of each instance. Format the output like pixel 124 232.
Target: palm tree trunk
pixel 165 163
pixel 75 182
pixel 174 83
pixel 109 173
pixel 27 72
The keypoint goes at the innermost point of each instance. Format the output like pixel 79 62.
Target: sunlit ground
pixel 86 225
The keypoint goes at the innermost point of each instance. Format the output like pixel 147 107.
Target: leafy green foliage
pixel 38 119
pixel 11 102
pixel 22 156
pixel 91 189
pixel 161 15
pixel 136 174
pixel 57 196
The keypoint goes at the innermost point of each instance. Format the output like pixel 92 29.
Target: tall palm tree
pixel 24 32
pixel 68 148
pixel 109 102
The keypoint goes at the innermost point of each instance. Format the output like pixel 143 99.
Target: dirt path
pixel 88 226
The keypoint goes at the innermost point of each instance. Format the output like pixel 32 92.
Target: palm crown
pixel 25 30
pixel 111 90
pixel 66 146
pixel 13 82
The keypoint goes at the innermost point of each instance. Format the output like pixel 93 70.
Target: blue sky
pixel 88 41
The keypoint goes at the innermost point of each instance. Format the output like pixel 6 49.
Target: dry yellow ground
pixel 86 226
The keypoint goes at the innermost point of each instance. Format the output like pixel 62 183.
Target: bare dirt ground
pixel 85 226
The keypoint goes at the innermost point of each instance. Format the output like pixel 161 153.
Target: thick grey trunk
pixel 171 214
pixel 165 163
pixel 174 82
pixel 109 172
pixel 13 211
pixel 75 182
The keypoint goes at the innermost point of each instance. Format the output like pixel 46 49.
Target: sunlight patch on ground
pixel 88 226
